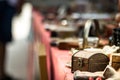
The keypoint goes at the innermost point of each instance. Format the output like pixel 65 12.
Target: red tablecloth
pixel 56 59
pixel 59 60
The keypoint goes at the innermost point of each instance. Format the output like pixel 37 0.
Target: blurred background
pixel 21 62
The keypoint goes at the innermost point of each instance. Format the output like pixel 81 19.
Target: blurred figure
pixel 8 8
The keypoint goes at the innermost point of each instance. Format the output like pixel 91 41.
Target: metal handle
pixel 88 24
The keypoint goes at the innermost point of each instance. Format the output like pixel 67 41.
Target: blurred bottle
pixel 116 38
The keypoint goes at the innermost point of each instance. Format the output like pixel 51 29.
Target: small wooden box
pixel 115 61
pixel 89 61
pixel 68 43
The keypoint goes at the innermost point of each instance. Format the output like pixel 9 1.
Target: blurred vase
pixel 116 37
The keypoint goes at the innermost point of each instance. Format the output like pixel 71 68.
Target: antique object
pixel 87 27
pixel 63 32
pixel 89 60
pixel 111 74
pixel 68 43
pixel 81 75
pixel 115 60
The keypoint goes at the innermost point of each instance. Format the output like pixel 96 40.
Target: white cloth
pixel 21 24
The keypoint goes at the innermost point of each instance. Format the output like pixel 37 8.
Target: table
pixel 59 60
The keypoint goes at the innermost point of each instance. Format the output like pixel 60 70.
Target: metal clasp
pixel 80 62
